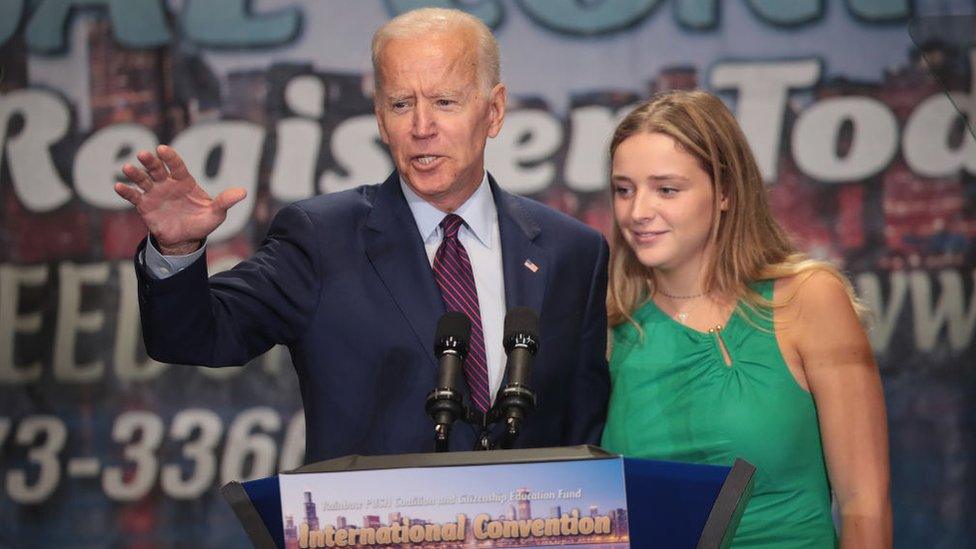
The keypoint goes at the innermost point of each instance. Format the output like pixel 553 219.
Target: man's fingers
pixel 157 171
pixel 173 161
pixel 229 197
pixel 138 176
pixel 127 192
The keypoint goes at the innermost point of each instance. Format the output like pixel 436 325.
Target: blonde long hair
pixel 748 243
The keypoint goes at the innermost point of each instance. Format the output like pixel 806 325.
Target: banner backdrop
pixel 868 161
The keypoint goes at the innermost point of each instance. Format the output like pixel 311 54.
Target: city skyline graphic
pixel 575 494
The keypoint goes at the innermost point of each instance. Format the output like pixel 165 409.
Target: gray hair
pixel 424 21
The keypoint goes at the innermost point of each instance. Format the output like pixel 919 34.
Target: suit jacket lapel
pixel 525 264
pixel 395 249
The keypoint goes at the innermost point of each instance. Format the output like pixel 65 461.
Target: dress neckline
pixel 653 307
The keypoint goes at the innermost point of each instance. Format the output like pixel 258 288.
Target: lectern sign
pixel 577 503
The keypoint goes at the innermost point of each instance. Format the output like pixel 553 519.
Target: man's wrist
pixel 183 248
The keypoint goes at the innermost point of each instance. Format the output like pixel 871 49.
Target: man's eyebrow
pixel 398 96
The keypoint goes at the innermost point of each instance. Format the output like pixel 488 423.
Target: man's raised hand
pixel 177 211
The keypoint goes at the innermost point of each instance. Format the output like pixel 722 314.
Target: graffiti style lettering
pixel 34 121
pixel 762 92
pixel 587 157
pixel 45 120
pixel 491 12
pixel 229 23
pixel 140 433
pixel 250 452
pixel 926 142
pixel 195 435
pixel 789 14
pixel 232 24
pixel 574 17
pixel 10 13
pixel 46 437
pixel 873 139
pixel 200 450
pixel 880 11
pixel 14 322
pixel 293 445
pixel 135 23
pixel 358 151
pixel 519 157
pixel 293 175
pixel 929 316
pixel 298 140
pixel 73 321
pixel 949 311
pixel 697 14
pixel 885 314
pixel 142 23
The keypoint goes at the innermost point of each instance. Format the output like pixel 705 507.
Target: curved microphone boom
pixel 516 400
pixel 444 404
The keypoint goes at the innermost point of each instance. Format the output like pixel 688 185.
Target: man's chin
pixel 429 186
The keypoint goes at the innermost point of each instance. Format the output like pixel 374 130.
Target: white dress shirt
pixel 480 237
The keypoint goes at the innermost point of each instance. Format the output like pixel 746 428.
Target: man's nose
pixel 424 124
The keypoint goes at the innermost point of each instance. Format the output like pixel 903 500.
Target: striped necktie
pixel 452 271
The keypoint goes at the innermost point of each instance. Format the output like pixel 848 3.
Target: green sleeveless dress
pixel 674 398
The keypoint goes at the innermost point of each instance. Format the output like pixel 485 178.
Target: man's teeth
pixel 426 159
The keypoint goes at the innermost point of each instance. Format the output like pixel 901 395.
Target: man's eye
pixel 445 102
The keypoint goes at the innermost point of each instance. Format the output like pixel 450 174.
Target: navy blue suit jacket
pixel 343 280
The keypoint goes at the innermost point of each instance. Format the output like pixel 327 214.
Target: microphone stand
pixel 514 401
pixel 444 404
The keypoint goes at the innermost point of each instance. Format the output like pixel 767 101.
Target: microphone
pixel 444 404
pixel 515 400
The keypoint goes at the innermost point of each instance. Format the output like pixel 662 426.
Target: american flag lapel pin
pixel 531 266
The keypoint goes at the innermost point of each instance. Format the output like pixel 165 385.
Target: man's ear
pixel 496 109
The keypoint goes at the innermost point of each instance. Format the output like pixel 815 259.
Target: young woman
pixel 728 342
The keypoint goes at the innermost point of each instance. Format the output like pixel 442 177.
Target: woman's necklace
pixel 666 294
pixel 682 316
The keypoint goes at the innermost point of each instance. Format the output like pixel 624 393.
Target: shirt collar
pixel 478 212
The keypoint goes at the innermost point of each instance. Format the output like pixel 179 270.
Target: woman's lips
pixel 647 237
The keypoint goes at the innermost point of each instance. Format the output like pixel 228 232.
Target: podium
pixel 668 504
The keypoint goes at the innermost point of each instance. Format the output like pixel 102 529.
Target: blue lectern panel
pixel 668 503
pixel 266 496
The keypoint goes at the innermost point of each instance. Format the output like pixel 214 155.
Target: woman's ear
pixel 723 204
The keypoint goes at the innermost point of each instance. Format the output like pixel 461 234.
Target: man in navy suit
pixel 346 281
